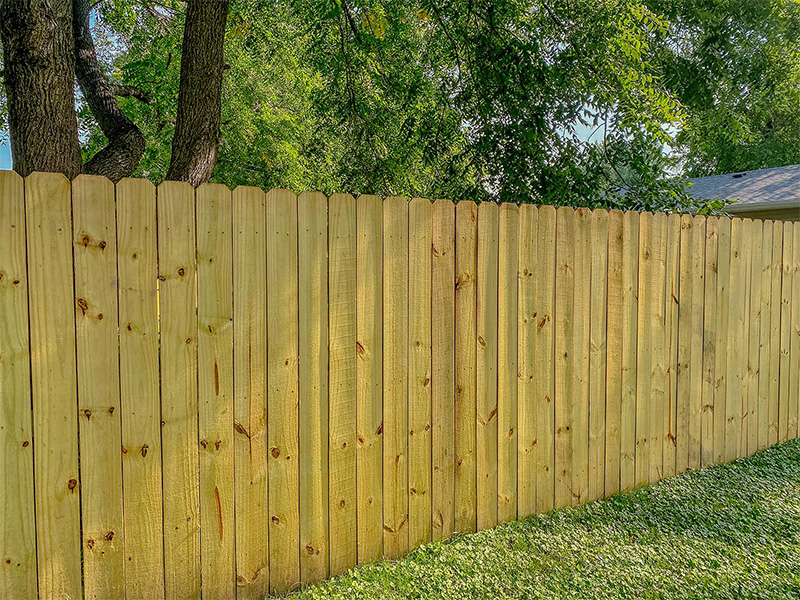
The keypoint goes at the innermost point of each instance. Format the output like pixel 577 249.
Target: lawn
pixel 731 531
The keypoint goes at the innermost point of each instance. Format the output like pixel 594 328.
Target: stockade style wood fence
pixel 230 393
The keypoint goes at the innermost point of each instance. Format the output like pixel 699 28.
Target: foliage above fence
pixel 241 391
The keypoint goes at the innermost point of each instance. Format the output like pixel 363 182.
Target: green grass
pixel 727 532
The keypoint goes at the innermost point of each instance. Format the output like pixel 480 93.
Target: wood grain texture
pixel 614 344
pixel 754 316
pixel 630 336
pixel 282 395
pixel 18 577
pixel 764 364
pixel 369 378
pixel 672 285
pixel 581 354
pixel 215 388
pixel 736 339
pixel 598 347
pixel 466 366
pixel 787 407
pixel 646 408
pixel 696 369
pixel 721 327
pixel 139 385
pixel 507 340
pixel 710 323
pixel 443 367
pixel 342 381
pixel 775 333
pixel 312 243
pixel 250 392
pixel 794 345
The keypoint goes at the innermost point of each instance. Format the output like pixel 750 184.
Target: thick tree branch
pixel 197 127
pixel 126 143
pixel 130 91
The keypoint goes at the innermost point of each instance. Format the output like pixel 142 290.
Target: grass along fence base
pixel 236 392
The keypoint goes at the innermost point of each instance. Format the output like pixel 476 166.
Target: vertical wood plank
pixel 466 366
pixel 753 322
pixel 544 349
pixel 250 392
pixel 581 355
pixel 312 246
pixel 614 343
pixel 765 366
pixel 420 418
pixel 787 409
pixel 215 388
pixel 282 395
pixel 598 355
pixel 507 400
pixel 564 361
pixel 443 365
pixel 672 285
pixel 18 578
pixel 794 349
pixel 721 344
pixel 177 253
pixel 139 385
pixel 369 375
pixel 685 291
pixel 526 324
pixel 395 377
pixel 659 343
pixel 646 408
pixel 342 381
pixel 736 341
pixel 710 324
pixel 97 345
pixel 630 335
pixel 486 350
pixel 775 332
pixel 696 368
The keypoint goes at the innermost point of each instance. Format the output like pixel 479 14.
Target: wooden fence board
pixel 659 343
pixel 420 418
pixel 282 395
pixel 721 346
pixel 215 388
pixel 342 381
pixel 775 333
pixel 250 392
pixel 696 366
pixel 139 385
pixel 507 399
pixel 736 338
pixel 710 323
pixel 645 410
pixel 18 577
pixel 466 366
pixel 95 250
pixel 630 333
pixel 312 244
pixel 443 367
pixel 685 291
pixel 177 253
pixel 544 352
pixel 395 377
pixel 526 358
pixel 614 345
pixel 794 348
pixel 486 432
pixel 369 378
pixel 598 354
pixel 764 364
pixel 787 410
pixel 753 322
pixel 564 347
pixel 672 289
pixel 580 355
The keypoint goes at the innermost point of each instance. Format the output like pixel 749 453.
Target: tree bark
pixel 126 144
pixel 39 63
pixel 197 127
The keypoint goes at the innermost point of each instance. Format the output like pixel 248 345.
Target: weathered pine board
pixel 369 378
pixel 736 341
pixel 282 391
pixel 420 417
pixel 564 348
pixel 95 251
pixel 486 351
pixel 630 333
pixel 753 323
pixel 526 359
pixel 312 244
pixel 658 341
pixel 646 406
pixel 215 388
pixel 395 377
pixel 710 324
pixel 787 411
pixel 722 319
pixel 466 366
pixel 443 367
pixel 764 364
pixel 342 381
pixel 507 339
pixel 139 385
pixel 696 366
pixel 614 345
pixel 544 376
pixel 18 578
pixel 250 392
pixel 684 391
pixel 598 354
pixel 774 350
pixel 794 349
pixel 177 253
pixel 672 290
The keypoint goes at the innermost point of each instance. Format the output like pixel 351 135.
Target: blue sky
pixel 5 156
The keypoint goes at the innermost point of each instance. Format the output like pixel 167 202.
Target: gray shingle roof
pixel 778 187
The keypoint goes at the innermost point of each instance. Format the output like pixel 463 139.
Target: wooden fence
pixel 230 393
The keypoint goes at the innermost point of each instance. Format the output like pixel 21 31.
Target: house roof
pixel 753 190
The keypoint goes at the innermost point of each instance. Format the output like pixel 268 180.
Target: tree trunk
pixel 126 143
pixel 194 145
pixel 39 63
